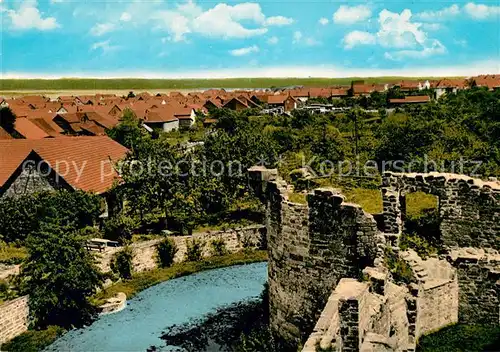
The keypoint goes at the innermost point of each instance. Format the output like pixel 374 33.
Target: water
pixel 174 302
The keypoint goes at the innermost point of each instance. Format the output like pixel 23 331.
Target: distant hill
pixel 152 84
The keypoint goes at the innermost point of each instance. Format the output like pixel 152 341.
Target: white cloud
pixel 446 12
pixel 222 21
pixel 355 38
pixel 353 14
pixel 125 17
pixel 245 51
pixel 397 31
pixel 431 26
pixel 473 10
pixel 278 21
pixel 273 40
pixel 323 21
pixel 175 23
pixel 105 46
pixel 101 29
pixel 482 12
pixel 29 17
pixel 299 38
pixel 435 48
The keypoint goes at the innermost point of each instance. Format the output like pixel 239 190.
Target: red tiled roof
pixel 4 134
pixel 28 129
pixel 411 99
pixel 89 154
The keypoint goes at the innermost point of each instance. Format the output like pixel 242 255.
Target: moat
pixel 155 312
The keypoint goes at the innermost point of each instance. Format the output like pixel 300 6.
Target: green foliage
pixel 59 275
pixel 121 264
pixel 166 251
pixel 458 338
pixel 10 254
pixel 419 244
pixel 194 250
pixel 119 228
pixel 218 247
pixel 33 340
pixel 7 119
pixel 297 198
pixel 19 217
pixel 400 270
pixel 7 291
pixel 129 132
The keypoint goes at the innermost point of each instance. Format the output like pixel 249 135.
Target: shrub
pixel 121 264
pixel 419 244
pixel 166 250
pixel 218 247
pixel 400 270
pixel 119 228
pixel 194 250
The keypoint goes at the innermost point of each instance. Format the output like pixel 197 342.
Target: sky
pixel 261 38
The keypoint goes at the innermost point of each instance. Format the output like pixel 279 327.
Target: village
pixel 63 185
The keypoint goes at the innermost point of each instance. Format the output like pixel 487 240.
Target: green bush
pixel 119 228
pixel 419 244
pixel 400 270
pixel 165 251
pixel 33 340
pixel 218 247
pixel 194 250
pixel 121 263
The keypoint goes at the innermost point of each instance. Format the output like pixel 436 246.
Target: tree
pixel 129 132
pixel 60 276
pixel 19 217
pixel 7 119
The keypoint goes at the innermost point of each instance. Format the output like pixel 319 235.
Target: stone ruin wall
pixel 13 318
pixel 323 246
pixel 144 253
pixel 469 208
pixel 311 247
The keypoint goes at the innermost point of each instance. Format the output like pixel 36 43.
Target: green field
pixel 136 83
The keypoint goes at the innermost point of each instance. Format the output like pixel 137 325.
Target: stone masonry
pixel 328 281
pixel 144 253
pixel 13 318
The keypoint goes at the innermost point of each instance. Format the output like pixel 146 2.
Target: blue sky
pixel 68 38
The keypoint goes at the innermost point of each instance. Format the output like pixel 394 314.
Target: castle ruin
pixel 329 284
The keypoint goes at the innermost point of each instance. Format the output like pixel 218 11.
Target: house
pixel 76 163
pixel 287 102
pixel 301 94
pixel 415 99
pixel 492 82
pixel 237 104
pixel 449 85
pixel 29 130
pixel 338 93
pixel 408 86
pixel 163 119
pixel 186 116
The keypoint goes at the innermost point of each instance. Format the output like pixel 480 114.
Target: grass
pixel 299 198
pixel 141 281
pixel 152 84
pixel 458 338
pixel 369 199
pixel 33 340
pixel 418 202
pixel 11 254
